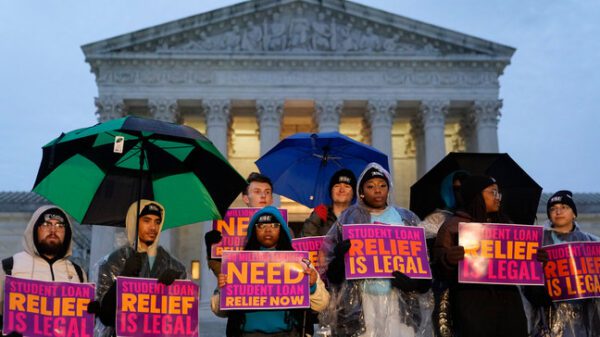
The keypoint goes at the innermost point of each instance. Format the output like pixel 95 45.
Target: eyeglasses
pixel 273 225
pixel 495 193
pixel 46 225
pixel 557 208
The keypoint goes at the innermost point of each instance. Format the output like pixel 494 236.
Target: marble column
pixel 164 109
pixel 467 131
pixel 269 114
pixel 417 134
pixel 217 117
pixel 327 114
pixel 486 116
pixel 433 118
pixel 380 114
pixel 109 107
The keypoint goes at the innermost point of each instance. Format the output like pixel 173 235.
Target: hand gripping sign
pixel 378 250
pixel 265 280
pixel 312 245
pixel 47 309
pixel 147 308
pixel 573 270
pixel 234 228
pixel 500 254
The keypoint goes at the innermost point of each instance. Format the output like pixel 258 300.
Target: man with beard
pixel 144 259
pixel 47 247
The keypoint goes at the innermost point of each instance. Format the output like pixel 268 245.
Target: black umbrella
pixel 520 193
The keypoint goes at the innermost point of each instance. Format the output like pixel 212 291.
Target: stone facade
pixel 250 74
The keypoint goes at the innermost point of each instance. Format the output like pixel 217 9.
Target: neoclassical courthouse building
pixel 254 73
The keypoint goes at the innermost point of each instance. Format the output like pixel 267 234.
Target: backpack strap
pixel 7 265
pixel 78 270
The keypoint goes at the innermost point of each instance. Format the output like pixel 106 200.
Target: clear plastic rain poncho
pixel 574 318
pixel 110 266
pixel 372 307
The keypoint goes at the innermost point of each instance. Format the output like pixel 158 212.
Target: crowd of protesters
pixel 395 306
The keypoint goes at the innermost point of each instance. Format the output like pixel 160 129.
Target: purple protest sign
pixel 265 280
pixel 500 254
pixel 47 309
pixel 573 270
pixel 146 308
pixel 378 250
pixel 234 228
pixel 312 245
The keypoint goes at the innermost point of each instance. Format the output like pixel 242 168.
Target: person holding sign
pixel 149 261
pixel 477 309
pixel 372 307
pixel 268 230
pixel 452 200
pixel 47 246
pixel 341 190
pixel 572 318
pixel 258 194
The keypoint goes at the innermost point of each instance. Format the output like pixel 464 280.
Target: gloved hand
pixel 321 212
pixel 93 307
pixel 133 265
pixel 542 256
pixel 342 248
pixel 210 238
pixel 168 276
pixel 408 284
pixel 336 270
pixel 455 254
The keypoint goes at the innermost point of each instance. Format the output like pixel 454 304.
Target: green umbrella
pixel 95 173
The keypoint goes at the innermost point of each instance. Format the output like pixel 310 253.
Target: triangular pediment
pixel 298 28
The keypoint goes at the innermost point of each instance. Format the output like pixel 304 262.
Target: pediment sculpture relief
pixel 304 31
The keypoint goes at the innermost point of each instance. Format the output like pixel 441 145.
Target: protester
pixel 341 190
pixel 477 309
pixel 150 260
pixel 47 243
pixel 268 230
pixel 372 307
pixel 574 318
pixel 258 194
pixel 452 200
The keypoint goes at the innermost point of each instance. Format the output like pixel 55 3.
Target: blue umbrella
pixel 301 165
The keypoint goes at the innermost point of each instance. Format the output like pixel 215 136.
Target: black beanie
pixel 371 173
pixel 473 185
pixel 153 209
pixel 343 176
pixel 561 197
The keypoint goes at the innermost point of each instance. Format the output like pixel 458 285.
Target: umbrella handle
pixel 139 194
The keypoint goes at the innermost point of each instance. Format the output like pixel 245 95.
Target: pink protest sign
pixel 265 280
pixel 146 308
pixel 573 270
pixel 47 309
pixel 378 250
pixel 234 228
pixel 500 253
pixel 311 245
